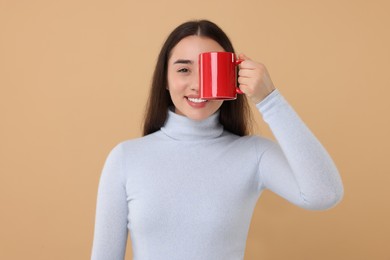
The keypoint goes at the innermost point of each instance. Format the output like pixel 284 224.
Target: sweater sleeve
pixel 297 167
pixel 110 235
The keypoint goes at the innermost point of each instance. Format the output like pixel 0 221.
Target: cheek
pixel 177 83
pixel 175 88
pixel 218 104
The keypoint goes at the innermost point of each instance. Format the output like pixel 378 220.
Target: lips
pixel 196 102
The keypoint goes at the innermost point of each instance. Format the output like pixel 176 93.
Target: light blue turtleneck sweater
pixel 188 191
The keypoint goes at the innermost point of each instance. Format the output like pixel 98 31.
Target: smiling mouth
pixel 197 100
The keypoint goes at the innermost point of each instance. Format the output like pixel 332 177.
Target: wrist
pixel 257 99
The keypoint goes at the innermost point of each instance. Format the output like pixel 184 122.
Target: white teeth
pixel 197 100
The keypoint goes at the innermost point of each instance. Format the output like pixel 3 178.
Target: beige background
pixel 74 78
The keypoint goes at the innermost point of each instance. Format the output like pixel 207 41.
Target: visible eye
pixel 183 70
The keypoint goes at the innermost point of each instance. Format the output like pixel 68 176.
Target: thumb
pixel 242 56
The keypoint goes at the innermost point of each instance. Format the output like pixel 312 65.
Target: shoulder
pixel 260 143
pixel 255 143
pixel 131 145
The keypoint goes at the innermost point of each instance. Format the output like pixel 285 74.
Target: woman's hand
pixel 254 79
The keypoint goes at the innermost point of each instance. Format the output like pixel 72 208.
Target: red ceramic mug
pixel 218 76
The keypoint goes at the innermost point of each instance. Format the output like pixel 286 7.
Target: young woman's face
pixel 183 81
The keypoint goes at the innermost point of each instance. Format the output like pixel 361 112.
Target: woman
pixel 187 189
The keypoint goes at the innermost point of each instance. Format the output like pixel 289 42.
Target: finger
pixel 243 88
pixel 245 72
pixel 244 80
pixel 248 64
pixel 242 56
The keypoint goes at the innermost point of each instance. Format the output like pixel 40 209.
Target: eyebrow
pixel 180 61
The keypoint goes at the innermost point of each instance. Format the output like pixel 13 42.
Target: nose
pixel 195 83
pixel 195 87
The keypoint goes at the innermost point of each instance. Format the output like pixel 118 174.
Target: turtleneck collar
pixel 182 128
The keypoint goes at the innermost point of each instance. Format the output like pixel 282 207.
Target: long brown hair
pixel 234 115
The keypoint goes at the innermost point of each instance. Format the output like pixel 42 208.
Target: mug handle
pixel 236 63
